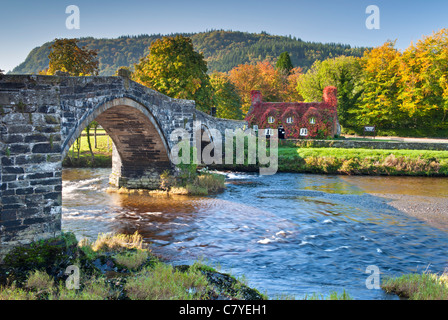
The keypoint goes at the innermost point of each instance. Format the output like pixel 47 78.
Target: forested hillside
pixel 223 50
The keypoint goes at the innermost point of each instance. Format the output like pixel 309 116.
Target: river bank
pixel 114 267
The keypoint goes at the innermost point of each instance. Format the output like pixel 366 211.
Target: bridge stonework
pixel 42 116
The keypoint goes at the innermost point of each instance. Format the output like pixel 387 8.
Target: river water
pixel 290 234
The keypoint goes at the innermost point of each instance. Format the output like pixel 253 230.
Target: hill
pixel 223 50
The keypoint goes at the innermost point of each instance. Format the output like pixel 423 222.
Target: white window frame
pixel 271 118
pixel 290 120
pixel 303 132
pixel 312 120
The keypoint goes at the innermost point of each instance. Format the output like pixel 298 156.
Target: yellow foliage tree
pixel 67 56
pixel 423 74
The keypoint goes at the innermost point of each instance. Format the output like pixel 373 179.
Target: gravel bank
pixel 432 210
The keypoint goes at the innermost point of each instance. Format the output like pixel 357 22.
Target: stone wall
pixel 373 144
pixel 31 165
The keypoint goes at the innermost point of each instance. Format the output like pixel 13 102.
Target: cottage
pixel 296 120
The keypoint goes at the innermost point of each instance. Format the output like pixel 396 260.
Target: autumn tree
pixel 423 72
pixel 175 69
pixel 381 83
pixel 261 76
pixel 226 98
pixel 68 57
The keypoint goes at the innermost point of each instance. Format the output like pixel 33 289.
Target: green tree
pixel 284 63
pixel 345 73
pixel 226 98
pixel 67 56
pixel 176 70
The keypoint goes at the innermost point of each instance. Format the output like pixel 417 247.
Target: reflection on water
pixel 288 233
pixel 414 186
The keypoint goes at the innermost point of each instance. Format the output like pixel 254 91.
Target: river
pixel 290 234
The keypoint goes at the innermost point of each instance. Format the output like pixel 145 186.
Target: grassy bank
pixel 424 286
pixel 363 161
pixel 294 159
pixel 114 267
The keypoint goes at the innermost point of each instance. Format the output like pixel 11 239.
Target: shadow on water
pixel 288 233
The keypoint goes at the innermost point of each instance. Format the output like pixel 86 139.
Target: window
pixel 303 132
pixel 289 120
pixel 268 132
pixel 255 127
pixel 312 120
pixel 271 119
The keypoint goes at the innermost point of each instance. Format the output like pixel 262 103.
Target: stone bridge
pixel 41 117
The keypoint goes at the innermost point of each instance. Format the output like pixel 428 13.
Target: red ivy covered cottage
pixel 300 120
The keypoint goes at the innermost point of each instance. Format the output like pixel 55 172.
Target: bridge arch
pixel 140 149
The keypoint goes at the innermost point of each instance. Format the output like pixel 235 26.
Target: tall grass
pixel 425 286
pixel 163 282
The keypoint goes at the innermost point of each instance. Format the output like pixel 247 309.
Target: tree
pixel 284 63
pixel 261 76
pixel 290 92
pixel 66 56
pixel 344 73
pixel 226 98
pixel 381 83
pixel 423 71
pixel 176 70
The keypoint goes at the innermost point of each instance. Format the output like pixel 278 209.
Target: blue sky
pixel 26 24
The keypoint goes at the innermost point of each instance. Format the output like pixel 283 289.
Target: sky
pixel 26 24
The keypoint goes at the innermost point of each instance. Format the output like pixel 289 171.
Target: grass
pixel 425 286
pixel 363 161
pixel 333 296
pixel 39 280
pixel 103 152
pixel 132 260
pixel 163 282
pixel 14 293
pixel 108 242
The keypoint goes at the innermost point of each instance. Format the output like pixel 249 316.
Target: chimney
pixel 256 97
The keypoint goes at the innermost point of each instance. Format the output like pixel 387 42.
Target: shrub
pixel 39 281
pixel 212 182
